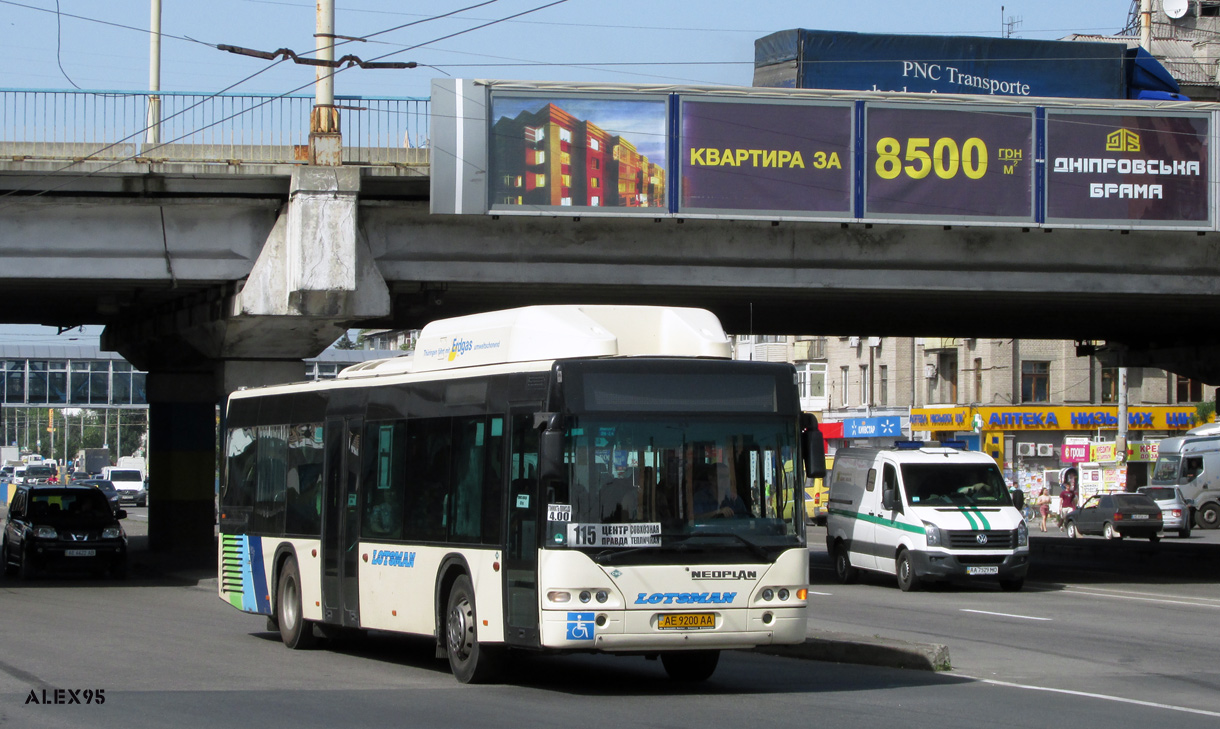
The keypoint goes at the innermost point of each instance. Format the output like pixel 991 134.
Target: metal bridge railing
pixel 195 127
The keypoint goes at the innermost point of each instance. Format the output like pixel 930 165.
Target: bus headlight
pixel 585 596
pixel 602 596
pixel 559 596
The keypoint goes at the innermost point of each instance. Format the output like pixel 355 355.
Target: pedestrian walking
pixel 1067 497
pixel 1044 507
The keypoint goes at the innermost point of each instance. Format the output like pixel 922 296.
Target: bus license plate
pixel 80 552
pixel 989 570
pixel 686 621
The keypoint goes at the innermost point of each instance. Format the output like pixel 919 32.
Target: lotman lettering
pixel 392 559
pixel 685 598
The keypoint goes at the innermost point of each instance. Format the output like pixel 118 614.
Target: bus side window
pixel 384 480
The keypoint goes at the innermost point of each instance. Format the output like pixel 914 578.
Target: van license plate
pixel 989 570
pixel 80 552
pixel 686 621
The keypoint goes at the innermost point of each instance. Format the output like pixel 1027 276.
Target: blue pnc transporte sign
pixel 884 427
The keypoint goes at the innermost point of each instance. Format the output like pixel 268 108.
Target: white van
pixel 923 514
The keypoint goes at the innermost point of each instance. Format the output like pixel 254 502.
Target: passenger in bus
pixel 385 519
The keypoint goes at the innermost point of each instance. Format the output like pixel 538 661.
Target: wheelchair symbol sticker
pixel 580 626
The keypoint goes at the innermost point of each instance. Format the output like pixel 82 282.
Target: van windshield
pixel 935 484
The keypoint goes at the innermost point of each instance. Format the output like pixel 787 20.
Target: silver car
pixel 1175 508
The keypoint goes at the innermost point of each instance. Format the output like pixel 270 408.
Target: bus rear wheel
pixel 690 666
pixel 469 661
pixel 295 630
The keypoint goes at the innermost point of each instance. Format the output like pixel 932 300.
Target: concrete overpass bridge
pixel 217 262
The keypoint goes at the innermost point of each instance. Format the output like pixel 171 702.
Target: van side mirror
pixel 550 447
pixel 813 447
pixel 1018 500
pixel 890 500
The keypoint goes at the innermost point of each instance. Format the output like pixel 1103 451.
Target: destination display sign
pixel 949 163
pixel 743 156
pixel 643 534
pixel 1129 168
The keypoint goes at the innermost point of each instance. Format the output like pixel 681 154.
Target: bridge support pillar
pixel 182 466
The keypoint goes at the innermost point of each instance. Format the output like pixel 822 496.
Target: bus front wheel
pixel 690 666
pixel 295 630
pixel 469 661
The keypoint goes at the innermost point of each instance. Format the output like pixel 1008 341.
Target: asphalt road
pixel 1108 641
pixel 1130 620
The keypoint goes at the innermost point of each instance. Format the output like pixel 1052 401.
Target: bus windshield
pixel 652 482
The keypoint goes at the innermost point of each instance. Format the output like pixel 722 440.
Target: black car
pixel 63 527
pixel 1115 516
pixel 101 484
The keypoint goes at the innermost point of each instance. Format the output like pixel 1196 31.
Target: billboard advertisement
pixel 949 163
pixel 583 152
pixel 740 156
pixel 1131 169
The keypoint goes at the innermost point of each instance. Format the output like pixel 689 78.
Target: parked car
pixel 1175 507
pixel 1115 516
pixel 62 527
pixel 106 487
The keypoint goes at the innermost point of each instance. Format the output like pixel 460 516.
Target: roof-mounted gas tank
pixel 535 333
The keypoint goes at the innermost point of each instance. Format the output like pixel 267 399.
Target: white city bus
pixel 558 478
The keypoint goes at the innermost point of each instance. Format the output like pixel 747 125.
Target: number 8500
pixel 945 158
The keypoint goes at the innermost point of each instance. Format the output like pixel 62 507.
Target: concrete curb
pixel 868 651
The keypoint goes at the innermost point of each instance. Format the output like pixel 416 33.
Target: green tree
pixel 344 342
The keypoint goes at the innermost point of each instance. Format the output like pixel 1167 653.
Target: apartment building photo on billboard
pixel 579 153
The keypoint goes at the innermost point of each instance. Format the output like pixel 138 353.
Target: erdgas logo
pixel 685 598
pixel 723 575
pixel 460 346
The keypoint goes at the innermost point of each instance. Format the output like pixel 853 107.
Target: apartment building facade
pixel 1022 400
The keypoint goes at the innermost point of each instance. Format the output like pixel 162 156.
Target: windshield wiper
pixel 755 548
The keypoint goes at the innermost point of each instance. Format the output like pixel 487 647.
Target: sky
pixel 627 41
pixel 87 46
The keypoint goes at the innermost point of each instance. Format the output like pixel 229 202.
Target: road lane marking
pixel 1103 697
pixel 1005 615
pixel 1187 601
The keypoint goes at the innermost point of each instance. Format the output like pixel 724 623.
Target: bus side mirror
pixel 813 447
pixel 550 447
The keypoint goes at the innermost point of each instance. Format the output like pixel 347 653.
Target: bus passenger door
pixel 340 524
pixel 521 546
